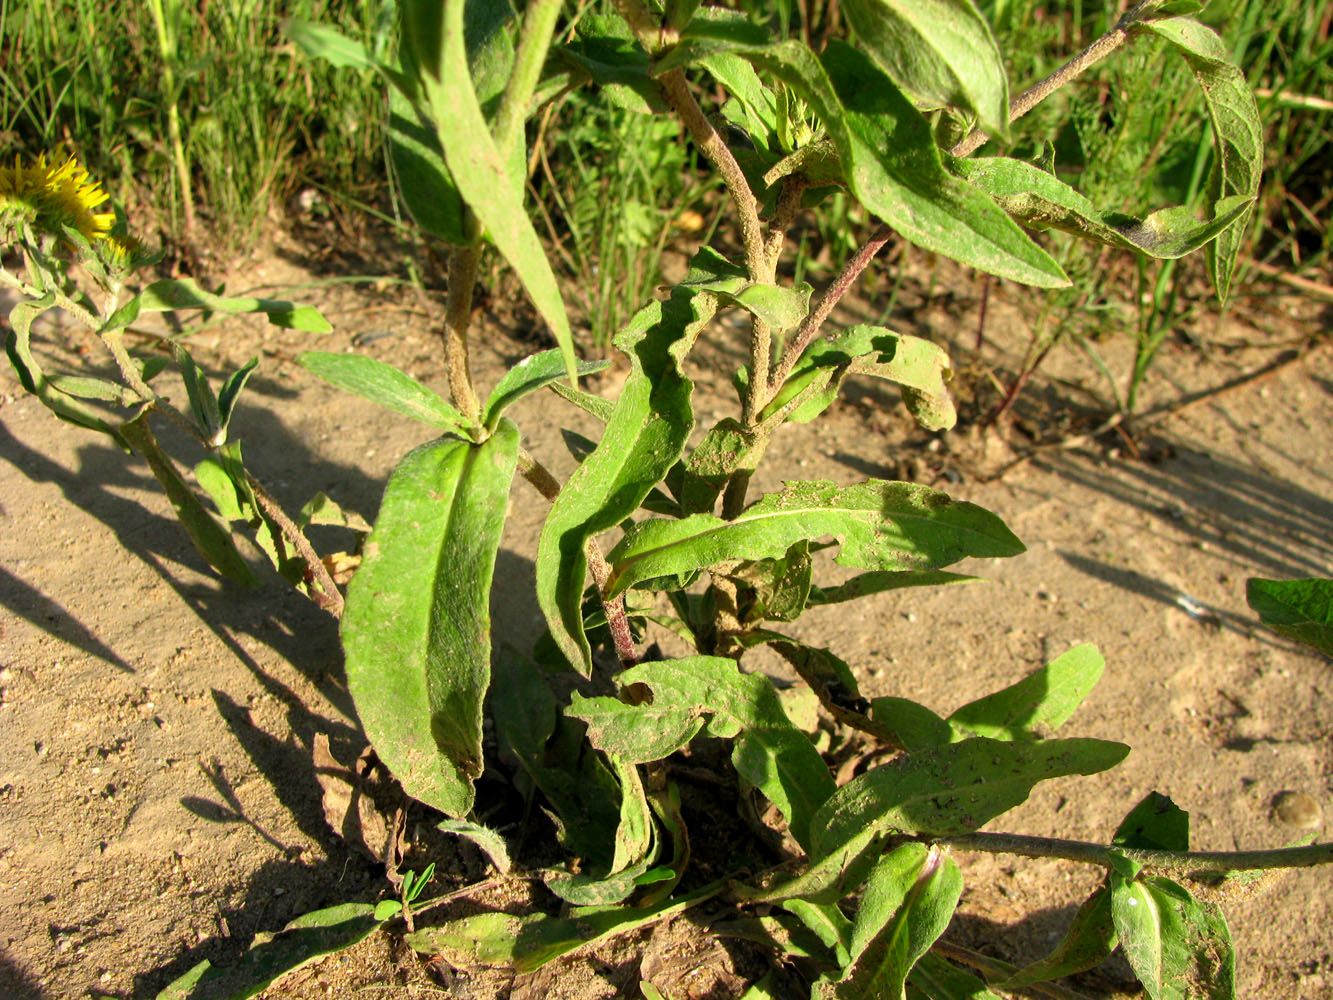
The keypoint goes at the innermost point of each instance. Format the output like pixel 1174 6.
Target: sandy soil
pixel 157 798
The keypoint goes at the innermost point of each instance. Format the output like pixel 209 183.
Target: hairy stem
pixel 1037 93
pixel 463 264
pixel 715 150
pixel 549 487
pixel 534 41
pixel 327 596
pixel 1175 862
pixel 761 360
pixel 809 328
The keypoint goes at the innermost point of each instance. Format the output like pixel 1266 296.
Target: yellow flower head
pixel 54 197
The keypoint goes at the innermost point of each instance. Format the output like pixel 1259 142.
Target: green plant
pixel 611 171
pixel 859 880
pixel 204 105
pixel 1129 145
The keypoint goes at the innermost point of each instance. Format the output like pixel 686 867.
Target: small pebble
pixel 1297 809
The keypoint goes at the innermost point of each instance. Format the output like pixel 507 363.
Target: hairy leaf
pixel 898 932
pixel 1038 704
pixel 782 308
pixel 484 177
pixel 1298 609
pixel 1238 136
pixel 773 590
pixel 222 476
pixel 424 181
pixel 633 849
pixel 941 52
pixel 880 525
pixel 833 682
pixel 1155 824
pixel 231 390
pixel 879 582
pixel 952 789
pixel 1040 200
pixel 416 630
pixel 532 373
pixel 528 942
pixel 933 978
pixel 203 402
pixel 909 725
pixel 1089 942
pixel 1178 947
pixel 826 921
pixel 34 380
pixel 182 293
pixel 605 51
pixel 271 957
pixel 889 158
pixel 384 384
pixel 486 839
pixel 919 366
pixel 727 447
pixel 210 534
pixel 892 878
pixel 644 437
pixel 689 693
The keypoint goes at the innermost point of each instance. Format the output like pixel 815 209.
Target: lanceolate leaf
pixel 484 179
pixel 935 979
pixel 1298 609
pixel 1238 158
pixel 528 942
pixel 881 525
pixel 427 188
pixel 1089 942
pixel 416 630
pixel 271 957
pixel 941 52
pixel 892 878
pixel 1039 703
pixel 606 52
pixel 919 366
pixel 182 293
pixel 1042 201
pixel 424 181
pixel 633 849
pixel 203 403
pixel 876 582
pixel 532 373
pixel 885 948
pixel 384 384
pixel 644 437
pixel 210 534
pixel 889 158
pixel 1178 947
pixel 698 691
pixel 484 838
pixel 222 476
pixel 782 308
pixel 18 347
pixel 947 790
pixel 1155 824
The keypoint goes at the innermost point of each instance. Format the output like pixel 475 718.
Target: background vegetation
pixel 150 94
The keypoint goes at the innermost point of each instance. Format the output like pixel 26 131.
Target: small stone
pixel 1297 809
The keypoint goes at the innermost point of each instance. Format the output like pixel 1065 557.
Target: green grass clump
pixel 256 119
pixel 1126 148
